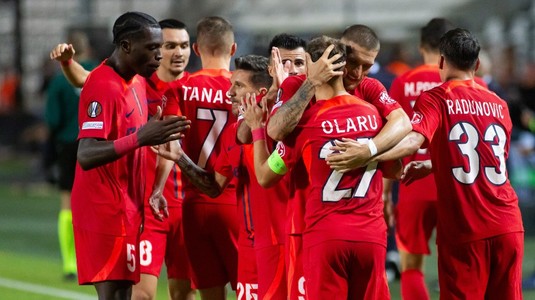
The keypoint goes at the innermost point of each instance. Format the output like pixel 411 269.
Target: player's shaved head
pixel 215 35
pixel 363 36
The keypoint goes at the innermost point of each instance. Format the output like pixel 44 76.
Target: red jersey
pixel 468 129
pixel 203 98
pixel 263 209
pixel 405 89
pixel 338 206
pixel 109 199
pixel 158 92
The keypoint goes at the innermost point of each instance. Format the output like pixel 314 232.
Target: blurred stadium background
pixel 29 29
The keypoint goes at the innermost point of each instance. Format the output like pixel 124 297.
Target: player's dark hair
pixel 215 34
pixel 460 48
pixel 131 25
pixel 172 24
pixel 431 33
pixel 287 41
pixel 363 36
pixel 317 46
pixel 258 65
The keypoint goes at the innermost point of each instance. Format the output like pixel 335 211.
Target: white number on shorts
pixel 495 174
pixel 220 118
pixel 247 292
pixel 145 253
pixel 330 191
pixel 131 257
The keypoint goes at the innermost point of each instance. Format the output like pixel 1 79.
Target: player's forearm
pixel 163 168
pixel 75 73
pixel 93 153
pixel 288 115
pixel 396 128
pixel 407 146
pixel 200 178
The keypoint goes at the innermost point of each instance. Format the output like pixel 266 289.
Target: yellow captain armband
pixel 276 164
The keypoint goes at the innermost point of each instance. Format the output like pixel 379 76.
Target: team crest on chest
pixel 94 109
pixel 417 118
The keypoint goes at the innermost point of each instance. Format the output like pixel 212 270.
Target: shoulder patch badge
pixel 94 109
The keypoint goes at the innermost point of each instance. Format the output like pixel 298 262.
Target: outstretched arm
pixel 73 71
pixel 407 146
pixel 93 152
pixel 288 115
pixel 211 184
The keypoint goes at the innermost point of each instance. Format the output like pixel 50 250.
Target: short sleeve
pixel 426 117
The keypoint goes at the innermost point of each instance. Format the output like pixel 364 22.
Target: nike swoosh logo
pixel 130 113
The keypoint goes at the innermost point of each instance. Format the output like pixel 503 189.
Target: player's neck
pixel 215 62
pixel 330 90
pixel 431 58
pixel 459 75
pixel 167 76
pixel 120 68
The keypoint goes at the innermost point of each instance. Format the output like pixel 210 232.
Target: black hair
pixel 258 65
pixel 431 33
pixel 287 41
pixel 172 24
pixel 363 36
pixel 460 48
pixel 131 25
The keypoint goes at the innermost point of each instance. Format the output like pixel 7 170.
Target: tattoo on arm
pixel 200 178
pixel 293 109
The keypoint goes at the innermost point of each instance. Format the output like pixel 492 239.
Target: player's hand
pixel 254 114
pixel 170 150
pixel 320 71
pixel 62 52
pixel 158 131
pixel 348 155
pixel 415 170
pixel 278 71
pixel 158 205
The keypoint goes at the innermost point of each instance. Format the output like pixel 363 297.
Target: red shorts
pixel 210 235
pixel 346 270
pixel 247 274
pixel 484 269
pixel 415 221
pixel 164 241
pixel 101 257
pixel 271 273
pixel 294 267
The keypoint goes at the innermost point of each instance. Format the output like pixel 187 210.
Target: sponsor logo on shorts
pixel 92 125
pixel 94 109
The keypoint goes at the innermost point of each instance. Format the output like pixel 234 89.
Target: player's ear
pixel 477 65
pixel 262 91
pixel 233 49
pixel 125 45
pixel 195 48
pixel 441 63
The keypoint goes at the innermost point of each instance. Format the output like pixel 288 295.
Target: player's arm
pixel 73 71
pixel 269 168
pixel 388 208
pixel 95 152
pixel 415 170
pixel 351 154
pixel 407 146
pixel 284 120
pixel 211 184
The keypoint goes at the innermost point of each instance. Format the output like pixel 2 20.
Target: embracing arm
pixel 352 154
pixel 407 146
